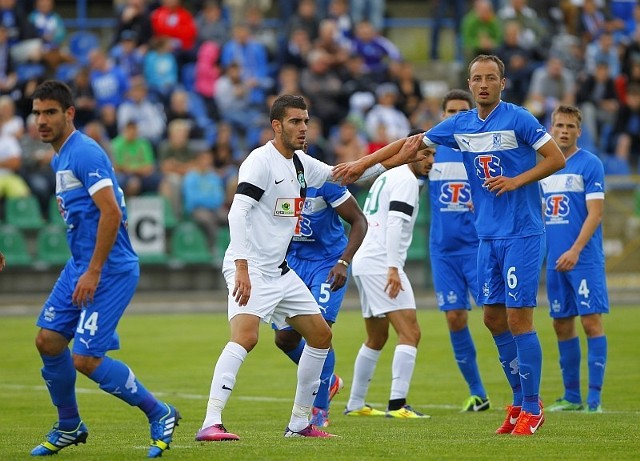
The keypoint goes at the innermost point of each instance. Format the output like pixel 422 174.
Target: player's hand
pixel 501 184
pixel 394 285
pixel 337 276
pixel 85 288
pixel 567 260
pixel 2 261
pixel 348 172
pixel 410 151
pixel 242 287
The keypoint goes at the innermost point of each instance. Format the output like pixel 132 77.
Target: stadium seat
pixel 54 213
pixel 189 244
pixel 24 212
pixel 29 71
pixel 81 44
pixel 222 242
pixel 170 218
pixel 67 71
pixel 14 246
pixel 51 246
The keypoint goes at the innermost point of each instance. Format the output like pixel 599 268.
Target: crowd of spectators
pixel 180 94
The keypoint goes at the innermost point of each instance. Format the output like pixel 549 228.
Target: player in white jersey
pixel 453 247
pixel 272 183
pixel 386 296
pixel 498 142
pixel 576 279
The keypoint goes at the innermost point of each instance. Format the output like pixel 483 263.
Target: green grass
pixel 174 356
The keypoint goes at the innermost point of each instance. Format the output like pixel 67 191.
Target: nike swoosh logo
pixel 533 429
pixel 278 182
pixel 226 388
pixel 314 393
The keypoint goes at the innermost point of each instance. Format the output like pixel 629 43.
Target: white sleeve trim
pixel 106 182
pixel 341 200
pixel 594 196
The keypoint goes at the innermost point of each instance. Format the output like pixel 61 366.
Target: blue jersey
pixel 83 168
pixel 452 227
pixel 504 144
pixel 319 234
pixel 566 193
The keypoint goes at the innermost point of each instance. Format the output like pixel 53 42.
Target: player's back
pixel 565 207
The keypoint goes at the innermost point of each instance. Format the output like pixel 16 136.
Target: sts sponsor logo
pixel 487 166
pixel 456 195
pixel 556 208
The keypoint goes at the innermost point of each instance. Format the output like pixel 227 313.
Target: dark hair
pixel 488 57
pixel 284 102
pixel 54 90
pixel 457 95
pixel 568 110
pixel 415 131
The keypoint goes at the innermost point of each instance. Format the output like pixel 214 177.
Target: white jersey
pixel 394 194
pixel 270 184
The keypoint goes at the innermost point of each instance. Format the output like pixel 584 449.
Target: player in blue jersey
pixel 453 246
pixel 95 285
pixel 576 279
pixel 498 142
pixel 320 253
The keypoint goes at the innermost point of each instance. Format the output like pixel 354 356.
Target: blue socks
pixel 117 379
pixel 570 356
pixel 464 351
pixel 296 353
pixel 60 376
pixel 597 362
pixel 530 365
pixel 508 356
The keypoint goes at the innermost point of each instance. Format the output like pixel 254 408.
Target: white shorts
pixel 273 299
pixel 376 302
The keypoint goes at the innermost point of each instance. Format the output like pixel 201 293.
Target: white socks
pixel 404 361
pixel 363 369
pixel 309 369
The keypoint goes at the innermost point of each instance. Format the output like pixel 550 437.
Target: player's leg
pixel 96 334
pixel 58 320
pixel 377 329
pixel 563 310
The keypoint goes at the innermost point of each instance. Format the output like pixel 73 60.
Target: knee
pixel 377 342
pixel 323 338
pixel 50 343
pixel 86 365
pixel 456 320
pixel 286 342
pixel 410 337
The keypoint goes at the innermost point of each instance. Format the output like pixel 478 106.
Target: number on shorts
pixel 90 324
pixel 583 289
pixel 325 292
pixel 512 280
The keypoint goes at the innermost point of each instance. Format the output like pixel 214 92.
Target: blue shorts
pixel 314 275
pixel 93 326
pixel 581 291
pixel 454 277
pixel 509 270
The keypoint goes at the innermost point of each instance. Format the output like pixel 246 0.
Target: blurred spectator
pixel 8 76
pixel 233 96
pixel 533 35
pixel 19 28
pixel 550 85
pixel 481 30
pixel 176 157
pixel 296 50
pixel 134 161
pixel 347 143
pixel 409 90
pixel 254 17
pixel 339 13
pixel 11 183
pixel 568 48
pixel 251 55
pixel 140 108
pixel 50 29
pixel 603 49
pixel 375 49
pixel 208 71
pixel 631 52
pixel 83 98
pixel 317 145
pixel 304 18
pixel 126 55
pixel 329 41
pixel 96 130
pixel 323 88
pixel 459 10
pixel 110 84
pixel 623 82
pixel 36 169
pixel 384 113
pixel 288 81
pixel 626 132
pixel 161 69
pixel 10 123
pixel 178 108
pixel 211 24
pixel 176 23
pixel 226 149
pixel 358 84
pixel 204 196
pixel 596 98
pixel 371 11
pixel 519 64
pixel 594 20
pixel 134 16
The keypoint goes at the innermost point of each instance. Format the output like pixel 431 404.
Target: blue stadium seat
pixel 28 71
pixel 615 166
pixel 67 71
pixel 81 43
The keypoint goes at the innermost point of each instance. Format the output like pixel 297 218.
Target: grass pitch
pixel 174 356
